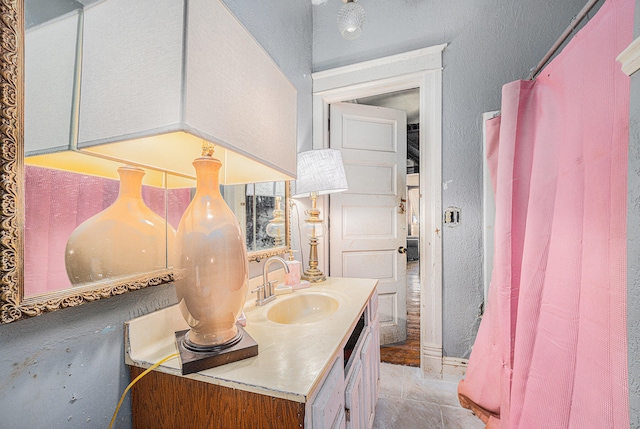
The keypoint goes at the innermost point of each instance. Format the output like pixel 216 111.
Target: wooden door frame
pixel 420 69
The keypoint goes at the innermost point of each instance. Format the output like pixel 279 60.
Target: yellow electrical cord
pixel 135 380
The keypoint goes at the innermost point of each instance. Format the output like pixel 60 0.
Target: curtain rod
pixel 567 32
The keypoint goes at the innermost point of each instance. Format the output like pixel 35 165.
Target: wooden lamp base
pixel 196 361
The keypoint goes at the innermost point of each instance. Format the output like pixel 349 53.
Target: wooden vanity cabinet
pixel 160 400
pixel 345 399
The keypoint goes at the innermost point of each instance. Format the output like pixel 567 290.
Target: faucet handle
pixel 272 286
pixel 265 293
pixel 261 292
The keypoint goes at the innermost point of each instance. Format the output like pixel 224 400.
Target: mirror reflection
pixel 116 223
pixel 58 180
pixel 265 224
pixel 81 229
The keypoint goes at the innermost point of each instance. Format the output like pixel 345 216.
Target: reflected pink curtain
pixel 551 350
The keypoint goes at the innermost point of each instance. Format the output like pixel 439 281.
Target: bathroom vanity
pixel 318 365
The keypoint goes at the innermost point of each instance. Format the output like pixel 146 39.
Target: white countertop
pixel 292 358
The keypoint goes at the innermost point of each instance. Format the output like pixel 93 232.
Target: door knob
pixel 402 250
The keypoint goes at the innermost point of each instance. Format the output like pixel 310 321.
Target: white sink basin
pixel 304 308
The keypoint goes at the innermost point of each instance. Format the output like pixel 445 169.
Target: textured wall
pixel 66 369
pixel 491 42
pixel 633 245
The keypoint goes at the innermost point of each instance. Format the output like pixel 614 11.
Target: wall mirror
pixel 43 208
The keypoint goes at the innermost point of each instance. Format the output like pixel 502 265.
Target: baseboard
pixel 454 368
pixel 431 361
pixel 437 366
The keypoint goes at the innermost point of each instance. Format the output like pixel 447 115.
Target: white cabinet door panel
pixel 326 407
pixel 353 398
pixel 367 356
pixel 340 422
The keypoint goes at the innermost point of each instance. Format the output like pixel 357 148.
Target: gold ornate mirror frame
pixel 11 167
pixel 13 304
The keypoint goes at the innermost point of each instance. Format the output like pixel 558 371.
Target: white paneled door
pixel 368 225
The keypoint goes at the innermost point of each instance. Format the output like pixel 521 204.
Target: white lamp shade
pixel 160 76
pixel 50 67
pixel 320 171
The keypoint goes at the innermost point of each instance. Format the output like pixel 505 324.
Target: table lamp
pixel 319 172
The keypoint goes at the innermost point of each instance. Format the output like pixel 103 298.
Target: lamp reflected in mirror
pixel 266 226
pixel 125 238
pixel 58 202
pixel 276 226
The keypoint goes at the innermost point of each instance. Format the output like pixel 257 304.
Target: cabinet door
pixel 375 331
pixel 353 398
pixel 367 356
pixel 329 403
pixel 370 356
pixel 374 326
pixel 340 422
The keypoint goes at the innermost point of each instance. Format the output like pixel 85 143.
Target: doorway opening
pixel 407 352
pixel 420 69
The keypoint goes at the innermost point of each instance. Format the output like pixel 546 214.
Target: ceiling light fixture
pixel 350 19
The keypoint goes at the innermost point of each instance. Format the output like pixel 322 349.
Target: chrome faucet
pixel 265 292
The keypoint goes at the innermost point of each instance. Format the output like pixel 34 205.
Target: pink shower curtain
pixel 551 351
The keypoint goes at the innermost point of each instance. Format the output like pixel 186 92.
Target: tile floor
pixel 409 400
